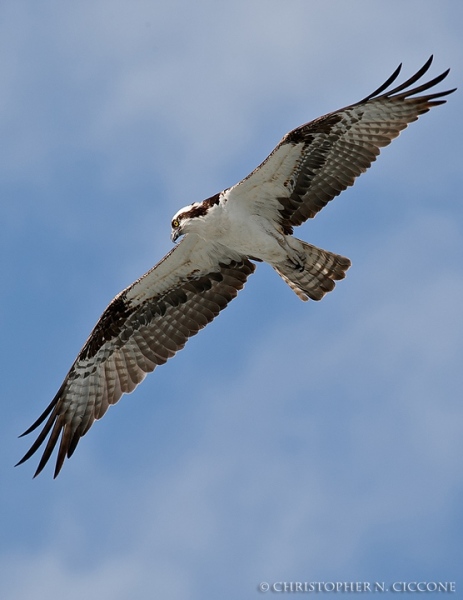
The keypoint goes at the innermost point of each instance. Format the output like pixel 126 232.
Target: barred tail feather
pixel 317 275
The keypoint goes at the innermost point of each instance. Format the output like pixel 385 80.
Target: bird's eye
pixel 175 223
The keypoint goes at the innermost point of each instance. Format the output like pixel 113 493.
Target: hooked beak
pixel 175 234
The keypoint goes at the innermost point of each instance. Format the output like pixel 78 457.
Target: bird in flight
pixel 222 238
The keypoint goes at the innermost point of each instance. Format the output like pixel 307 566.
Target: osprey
pixel 147 323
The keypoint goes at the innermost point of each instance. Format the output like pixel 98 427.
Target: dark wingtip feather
pixel 420 88
pixel 47 411
pixel 58 426
pixel 404 87
pixel 42 417
pixel 414 78
pixel 385 85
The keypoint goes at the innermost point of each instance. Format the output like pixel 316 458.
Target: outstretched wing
pixel 317 161
pixel 144 325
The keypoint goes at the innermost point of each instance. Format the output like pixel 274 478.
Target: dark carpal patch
pixel 109 326
pixel 306 132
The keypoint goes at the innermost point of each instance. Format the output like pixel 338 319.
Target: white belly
pixel 248 235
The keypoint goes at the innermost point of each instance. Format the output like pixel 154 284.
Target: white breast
pixel 233 226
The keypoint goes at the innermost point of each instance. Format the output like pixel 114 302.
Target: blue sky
pixel 289 441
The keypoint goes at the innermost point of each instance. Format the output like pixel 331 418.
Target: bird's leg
pixel 294 250
pixel 296 257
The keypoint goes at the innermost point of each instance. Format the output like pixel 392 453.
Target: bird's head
pixel 186 220
pixel 176 227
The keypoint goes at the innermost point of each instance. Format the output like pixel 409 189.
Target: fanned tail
pixel 317 275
